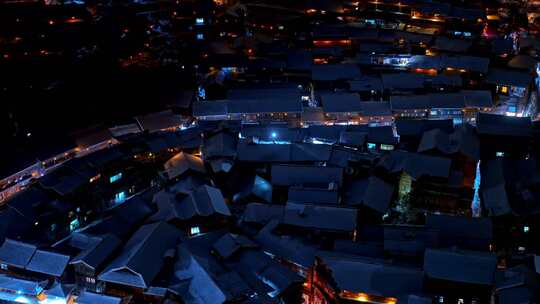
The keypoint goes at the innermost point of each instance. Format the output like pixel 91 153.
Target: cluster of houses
pixel 368 152
pixel 226 212
pixel 368 62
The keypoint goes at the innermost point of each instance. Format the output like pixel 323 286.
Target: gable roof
pixel 477 98
pixel 296 152
pixel 261 213
pixel 382 135
pixel 210 108
pixel 371 192
pixel 341 102
pixel 332 72
pixel 509 185
pixel 204 201
pixel 124 218
pixel 197 282
pixel 312 195
pixel 409 102
pixel 160 120
pixel 222 144
pixel 320 217
pixel 87 297
pixel 463 140
pixel 376 108
pixel 49 263
pixel 366 83
pixel 452 45
pixel 471 63
pixel 409 240
pixel 264 105
pixel 493 187
pixel 363 275
pixel 98 251
pixel 288 175
pixel 460 266
pixel 230 243
pixel 473 233
pixel 26 287
pixel 142 256
pixel 525 62
pixel 355 139
pixel 292 249
pixel 415 127
pixel 63 180
pixel 416 165
pixel 492 124
pixel 181 163
pixel 509 77
pixel 403 81
pixel 15 253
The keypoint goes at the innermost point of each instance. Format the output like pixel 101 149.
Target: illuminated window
pixel 90 280
pixel 433 112
pixel 74 224
pixel 200 36
pixel 120 197
pixel 199 21
pixel 526 229
pixel 387 147
pixel 3 266
pixel 115 178
pixel 457 121
pixel 371 146
pixel 201 92
pixel 405 185
pixel 499 154
pixel 195 230
pixel 502 89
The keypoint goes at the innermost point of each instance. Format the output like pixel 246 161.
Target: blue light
pixel 200 36
pixel 475 205
pixel 201 92
pixel 195 230
pixel 74 224
pixel 274 134
pixel 115 178
pixel 120 197
pixel 199 21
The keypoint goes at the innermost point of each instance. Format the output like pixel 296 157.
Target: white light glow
pixel 21 299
